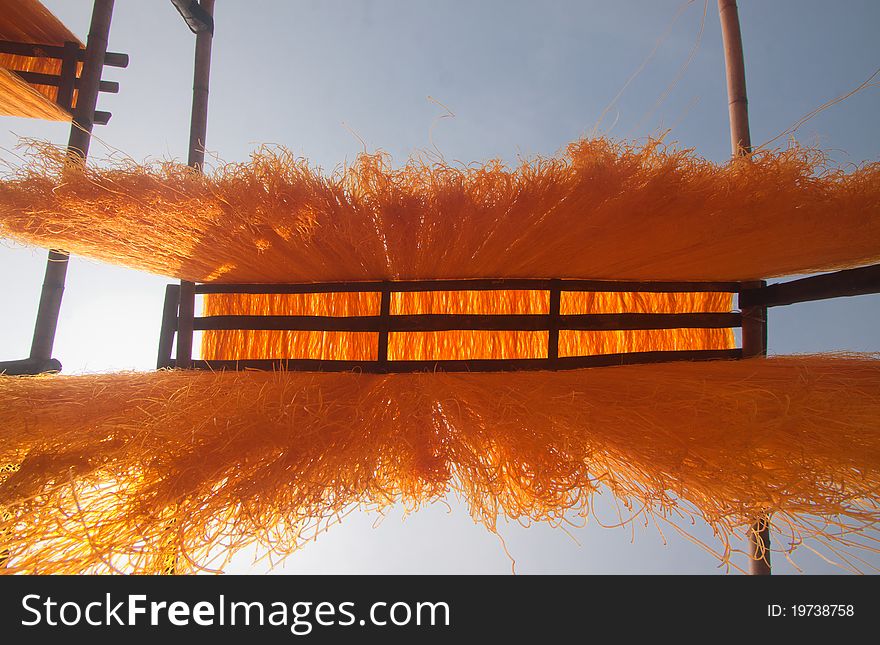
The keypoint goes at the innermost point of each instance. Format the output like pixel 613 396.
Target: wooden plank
pixel 185 315
pixel 849 282
pixel 554 321
pixel 68 78
pixel 475 322
pixel 414 322
pixel 384 325
pixel 511 284
pixel 111 59
pixel 31 49
pixel 36 78
pixel 614 322
pixel 754 332
pixel 754 324
pixel 29 366
pixel 115 59
pixel 638 358
pixel 375 286
pixel 650 287
pixel 169 325
pixel 488 365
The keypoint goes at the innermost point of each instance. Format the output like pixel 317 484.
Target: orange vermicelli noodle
pixel 601 210
pixel 116 471
pixel 450 345
pixel 150 472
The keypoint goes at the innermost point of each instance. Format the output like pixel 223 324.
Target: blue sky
pixel 327 78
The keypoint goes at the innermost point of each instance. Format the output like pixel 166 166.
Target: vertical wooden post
pixel 186 311
pixel 754 329
pixel 553 336
pixel 385 315
pixel 754 325
pixel 69 63
pixel 77 151
pixel 169 325
pixel 198 129
pixel 754 344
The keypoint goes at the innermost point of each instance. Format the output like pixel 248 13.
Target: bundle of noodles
pixel 28 21
pixel 601 210
pixel 458 344
pixel 118 471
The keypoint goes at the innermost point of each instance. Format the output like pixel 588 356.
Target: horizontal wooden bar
pixel 29 366
pixel 517 284
pixel 114 59
pixel 849 282
pixel 290 323
pixel 614 322
pixel 31 49
pixel 476 322
pixel 36 78
pixel 650 287
pixel 487 365
pixel 111 59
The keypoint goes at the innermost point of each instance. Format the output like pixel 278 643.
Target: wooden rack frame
pixel 70 55
pixel 754 297
pixel 179 302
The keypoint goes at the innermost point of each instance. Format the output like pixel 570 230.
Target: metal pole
pixel 754 330
pixel 197 132
pixel 77 150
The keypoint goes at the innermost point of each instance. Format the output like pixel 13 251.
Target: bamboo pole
pixel 198 129
pixel 112 59
pixel 754 331
pixel 738 103
pixel 77 150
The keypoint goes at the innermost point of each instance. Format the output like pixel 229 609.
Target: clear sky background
pixel 328 78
